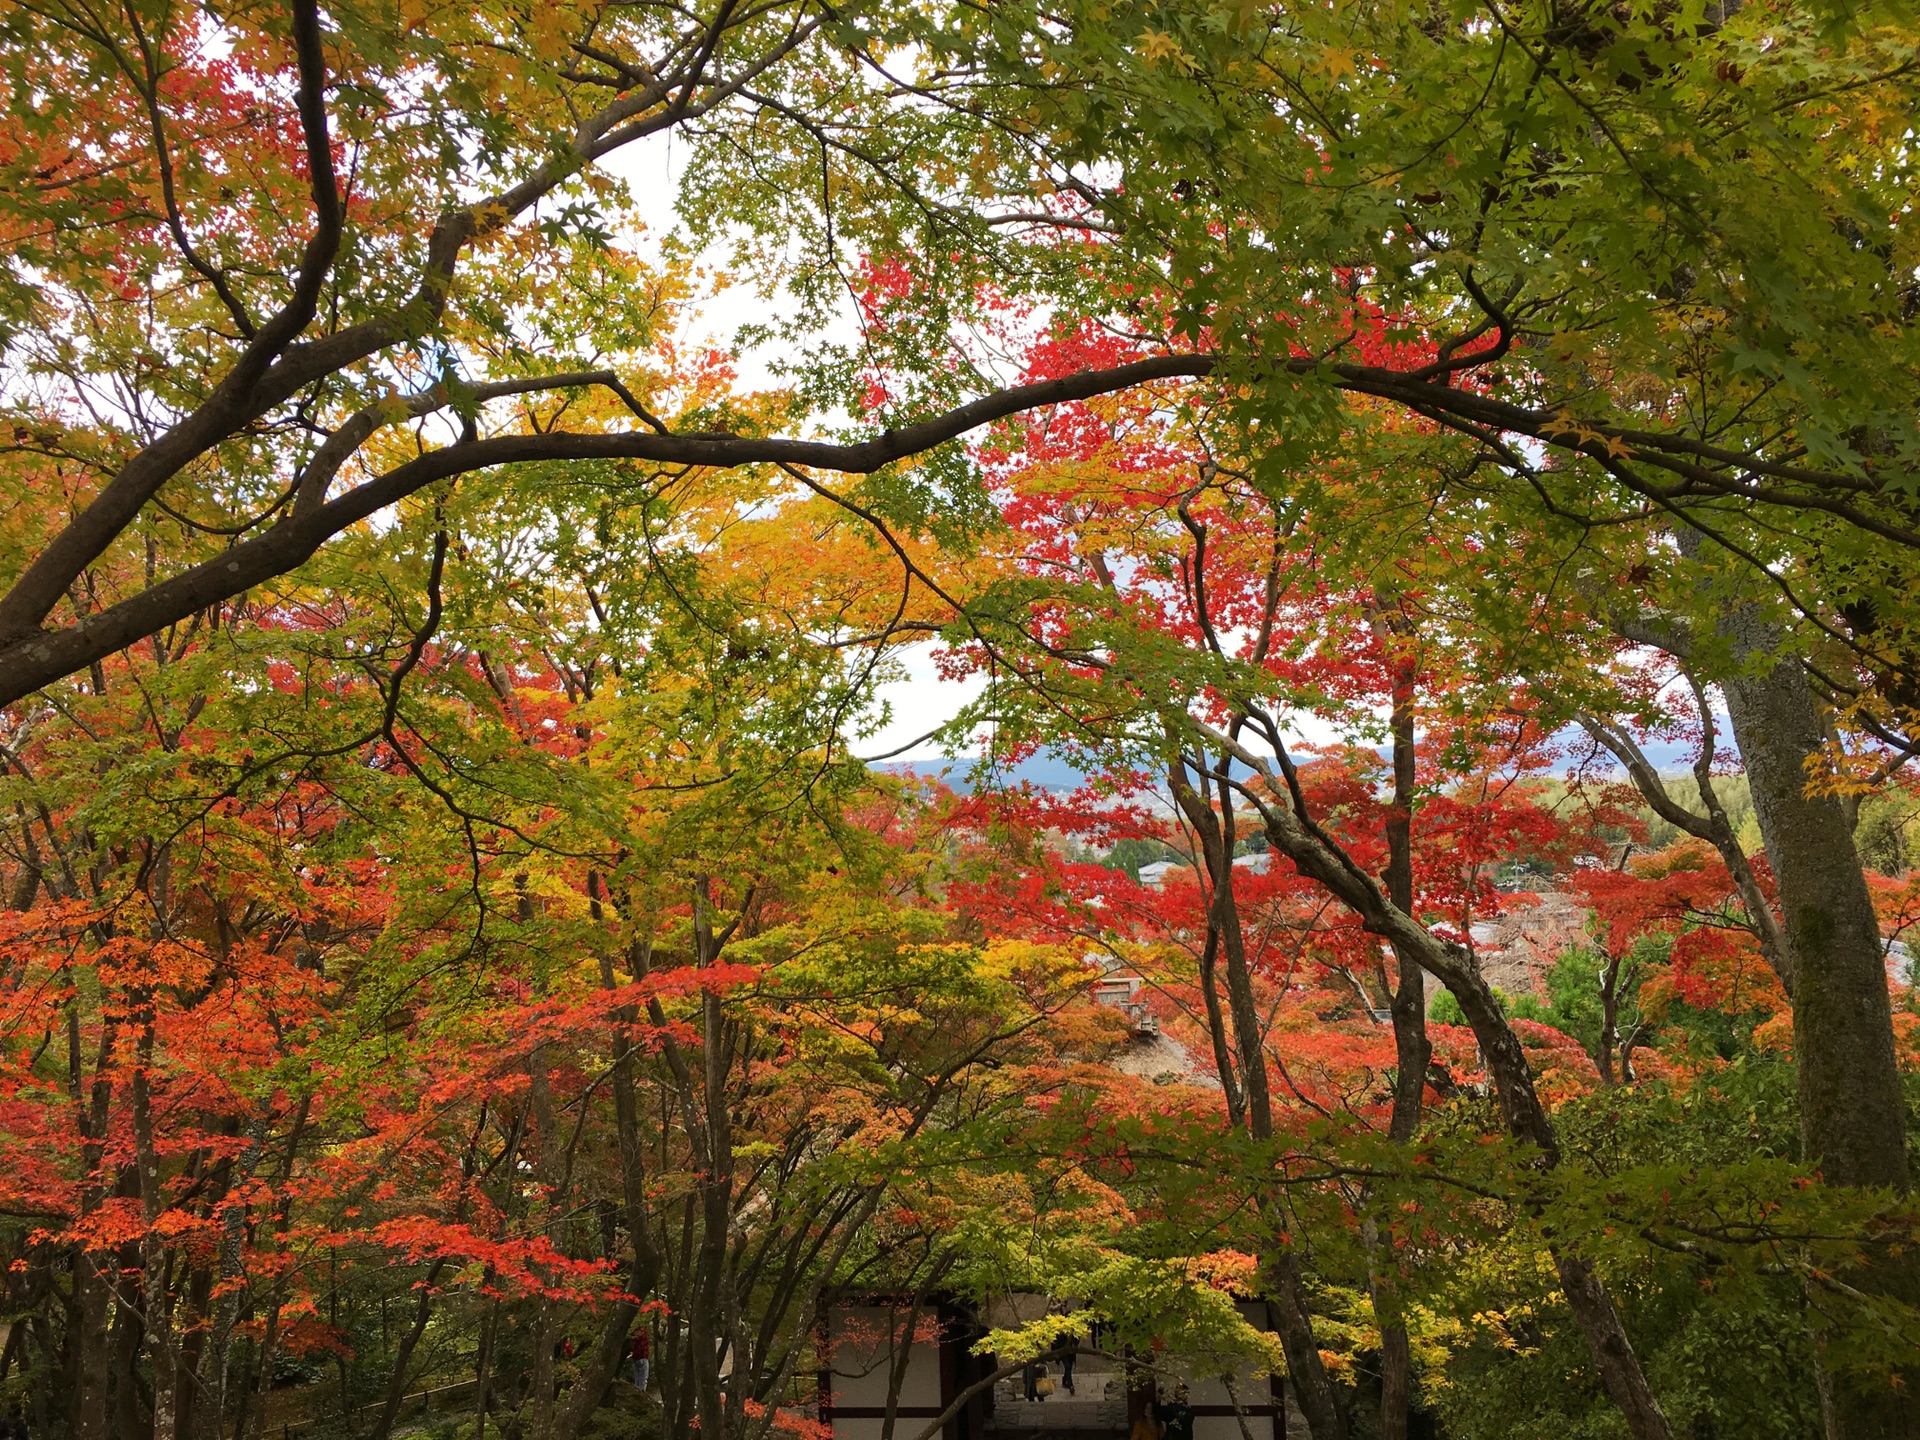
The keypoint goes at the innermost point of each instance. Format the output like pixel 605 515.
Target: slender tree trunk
pixel 1587 1296
pixel 1217 1026
pixel 276 1295
pixel 644 1275
pixel 89 1398
pixel 93 1292
pixel 546 1169
pixel 219 1347
pixel 540 1375
pixel 1412 1054
pixel 483 1368
pixel 716 1190
pixel 263 1362
pixel 155 1253
pixel 1293 832
pixel 1609 1020
pixel 1320 1398
pixel 902 1357
pixel 131 1411
pixel 403 1354
pixel 190 1347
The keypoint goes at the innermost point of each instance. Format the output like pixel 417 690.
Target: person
pixel 1067 1347
pixel 640 1353
pixel 1146 1427
pixel 1176 1418
pixel 1035 1372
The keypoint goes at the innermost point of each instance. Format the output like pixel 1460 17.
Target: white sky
pixel 920 701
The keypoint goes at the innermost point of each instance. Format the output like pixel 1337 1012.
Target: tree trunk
pixel 89 1398
pixel 276 1296
pixel 1292 831
pixel 1412 1054
pixel 645 1273
pixel 190 1401
pixel 1852 1109
pixel 93 1292
pixel 1321 1401
pixel 1593 1309
pixel 1852 1112
pixel 483 1366
pixel 155 1253
pixel 546 1168
pixel 1217 1026
pixel 131 1410
pixel 403 1355
pixel 219 1349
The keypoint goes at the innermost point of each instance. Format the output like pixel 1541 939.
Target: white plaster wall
pixel 861 1342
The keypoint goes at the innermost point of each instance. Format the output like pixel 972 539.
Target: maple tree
pixel 449 928
pixel 457 1014
pixel 1151 578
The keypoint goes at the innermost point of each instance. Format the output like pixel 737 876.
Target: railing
pixel 435 1399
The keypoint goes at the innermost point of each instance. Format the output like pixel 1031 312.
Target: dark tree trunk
pixel 403 1354
pixel 132 1419
pixel 644 1275
pixel 89 1348
pixel 1412 1054
pixel 1292 831
pixel 219 1351
pixel 1320 1398
pixel 1217 1026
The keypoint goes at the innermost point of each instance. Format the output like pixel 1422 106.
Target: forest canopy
pixel 1442 478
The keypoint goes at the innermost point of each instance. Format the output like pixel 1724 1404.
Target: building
pixel 928 1376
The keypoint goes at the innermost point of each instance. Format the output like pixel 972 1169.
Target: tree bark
pixel 1852 1112
pixel 1320 1398
pixel 1413 1052
pixel 89 1398
pixel 403 1356
pixel 131 1412
pixel 1292 831
pixel 644 1275
pixel 1217 1026
pixel 233 1234
pixel 1852 1109
pixel 276 1295
pixel 93 1291
pixel 155 1253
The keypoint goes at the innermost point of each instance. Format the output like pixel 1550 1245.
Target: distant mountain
pixel 1045 771
pixel 1052 772
pixel 1669 757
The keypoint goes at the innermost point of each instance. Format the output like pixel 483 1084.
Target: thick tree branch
pixel 272 369
pixel 41 658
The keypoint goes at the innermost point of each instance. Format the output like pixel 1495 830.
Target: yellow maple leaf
pixel 1337 61
pixel 1156 45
